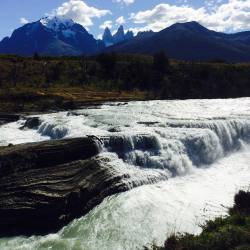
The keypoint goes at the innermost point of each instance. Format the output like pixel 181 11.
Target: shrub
pixel 232 232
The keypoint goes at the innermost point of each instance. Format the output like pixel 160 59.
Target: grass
pixel 232 232
pixel 30 99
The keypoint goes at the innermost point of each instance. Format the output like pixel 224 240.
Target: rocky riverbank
pixel 231 232
pixel 45 185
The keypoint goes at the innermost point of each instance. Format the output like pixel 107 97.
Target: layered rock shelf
pixel 45 185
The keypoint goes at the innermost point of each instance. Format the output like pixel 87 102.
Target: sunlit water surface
pixel 202 146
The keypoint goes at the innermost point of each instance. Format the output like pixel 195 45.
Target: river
pixel 200 146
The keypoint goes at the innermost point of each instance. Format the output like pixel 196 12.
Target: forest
pixel 157 77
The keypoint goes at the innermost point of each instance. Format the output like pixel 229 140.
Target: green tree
pixel 161 62
pixel 36 56
pixel 107 62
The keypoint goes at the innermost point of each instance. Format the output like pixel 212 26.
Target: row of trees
pixel 156 74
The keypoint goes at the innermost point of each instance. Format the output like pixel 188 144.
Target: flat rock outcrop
pixel 45 185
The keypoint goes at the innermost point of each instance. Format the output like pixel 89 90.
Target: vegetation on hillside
pixel 230 233
pixel 141 77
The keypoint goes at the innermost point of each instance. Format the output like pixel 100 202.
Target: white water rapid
pixel 201 147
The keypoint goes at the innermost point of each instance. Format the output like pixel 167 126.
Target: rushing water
pixel 201 146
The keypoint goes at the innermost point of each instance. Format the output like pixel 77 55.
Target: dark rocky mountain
pixel 108 38
pixel 144 34
pixel 129 35
pixel 190 41
pixel 51 36
pixel 185 41
pixel 119 37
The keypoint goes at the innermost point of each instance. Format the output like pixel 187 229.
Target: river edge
pixel 18 103
pixel 39 100
pixel 230 232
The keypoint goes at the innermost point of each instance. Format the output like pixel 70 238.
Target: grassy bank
pixel 232 232
pixel 35 99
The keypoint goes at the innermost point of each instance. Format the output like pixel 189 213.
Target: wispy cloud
pixel 230 16
pixel 126 2
pixel 106 24
pixel 120 20
pixel 23 20
pixel 80 12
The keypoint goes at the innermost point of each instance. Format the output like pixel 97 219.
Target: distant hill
pixel 51 36
pixel 190 41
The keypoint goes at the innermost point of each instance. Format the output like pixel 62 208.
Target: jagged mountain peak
pixel 121 29
pixel 107 37
pixel 190 41
pixel 107 32
pixel 118 37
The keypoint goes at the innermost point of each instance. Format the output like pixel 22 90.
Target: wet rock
pixel 32 123
pixel 148 123
pixel 73 113
pixel 45 154
pixel 45 185
pixel 7 118
pixel 114 130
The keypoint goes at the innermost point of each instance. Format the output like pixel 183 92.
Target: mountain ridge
pixel 191 41
pixel 58 36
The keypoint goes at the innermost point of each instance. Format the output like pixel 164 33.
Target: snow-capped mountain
pixel 57 23
pixel 58 36
pixel 51 36
pixel 118 37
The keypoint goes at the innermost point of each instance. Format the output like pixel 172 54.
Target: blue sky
pixel 220 15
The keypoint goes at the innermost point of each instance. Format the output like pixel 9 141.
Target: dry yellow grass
pixel 56 98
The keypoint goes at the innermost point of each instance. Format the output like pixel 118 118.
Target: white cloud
pixel 106 24
pixel 80 12
pixel 136 30
pixel 23 20
pixel 99 36
pixel 230 16
pixel 127 2
pixel 120 20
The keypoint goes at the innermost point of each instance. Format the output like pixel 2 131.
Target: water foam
pixel 151 142
pixel 150 213
pixel 175 136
